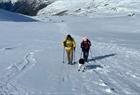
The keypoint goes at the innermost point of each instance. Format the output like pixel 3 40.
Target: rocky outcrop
pixel 27 7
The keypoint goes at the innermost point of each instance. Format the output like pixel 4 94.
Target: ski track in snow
pixel 14 71
pixel 2 49
pixel 116 78
pixel 112 75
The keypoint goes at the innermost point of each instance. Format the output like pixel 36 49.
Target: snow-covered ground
pixel 31 56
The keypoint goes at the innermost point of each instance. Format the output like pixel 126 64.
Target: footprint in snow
pixel 108 90
pixel 102 84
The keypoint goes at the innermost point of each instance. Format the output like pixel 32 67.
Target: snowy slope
pixel 31 56
pixel 45 8
pixel 9 16
pixel 91 7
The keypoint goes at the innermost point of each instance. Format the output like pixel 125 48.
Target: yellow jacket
pixel 69 44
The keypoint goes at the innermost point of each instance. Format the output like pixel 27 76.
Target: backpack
pixel 68 45
pixel 65 43
pixel 86 44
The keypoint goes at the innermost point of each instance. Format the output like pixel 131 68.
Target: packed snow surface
pixel 31 54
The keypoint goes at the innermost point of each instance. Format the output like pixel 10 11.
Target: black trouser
pixel 85 54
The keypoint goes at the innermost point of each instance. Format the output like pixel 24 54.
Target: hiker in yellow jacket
pixel 69 45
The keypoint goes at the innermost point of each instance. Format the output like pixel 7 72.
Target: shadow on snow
pixel 9 16
pixel 102 57
pixel 94 66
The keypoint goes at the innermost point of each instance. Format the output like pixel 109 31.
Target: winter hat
pixel 85 38
pixel 68 36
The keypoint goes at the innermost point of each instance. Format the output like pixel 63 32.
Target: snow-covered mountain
pixel 72 7
pixel 91 7
pixel 31 56
pixel 28 7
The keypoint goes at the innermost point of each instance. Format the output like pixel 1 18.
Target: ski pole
pixel 63 55
pixel 92 56
pixel 91 53
pixel 74 56
pixel 81 54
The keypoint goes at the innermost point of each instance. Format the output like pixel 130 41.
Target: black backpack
pixel 86 44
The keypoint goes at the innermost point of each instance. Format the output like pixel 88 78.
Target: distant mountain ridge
pixel 71 7
pixel 27 7
pixel 90 7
